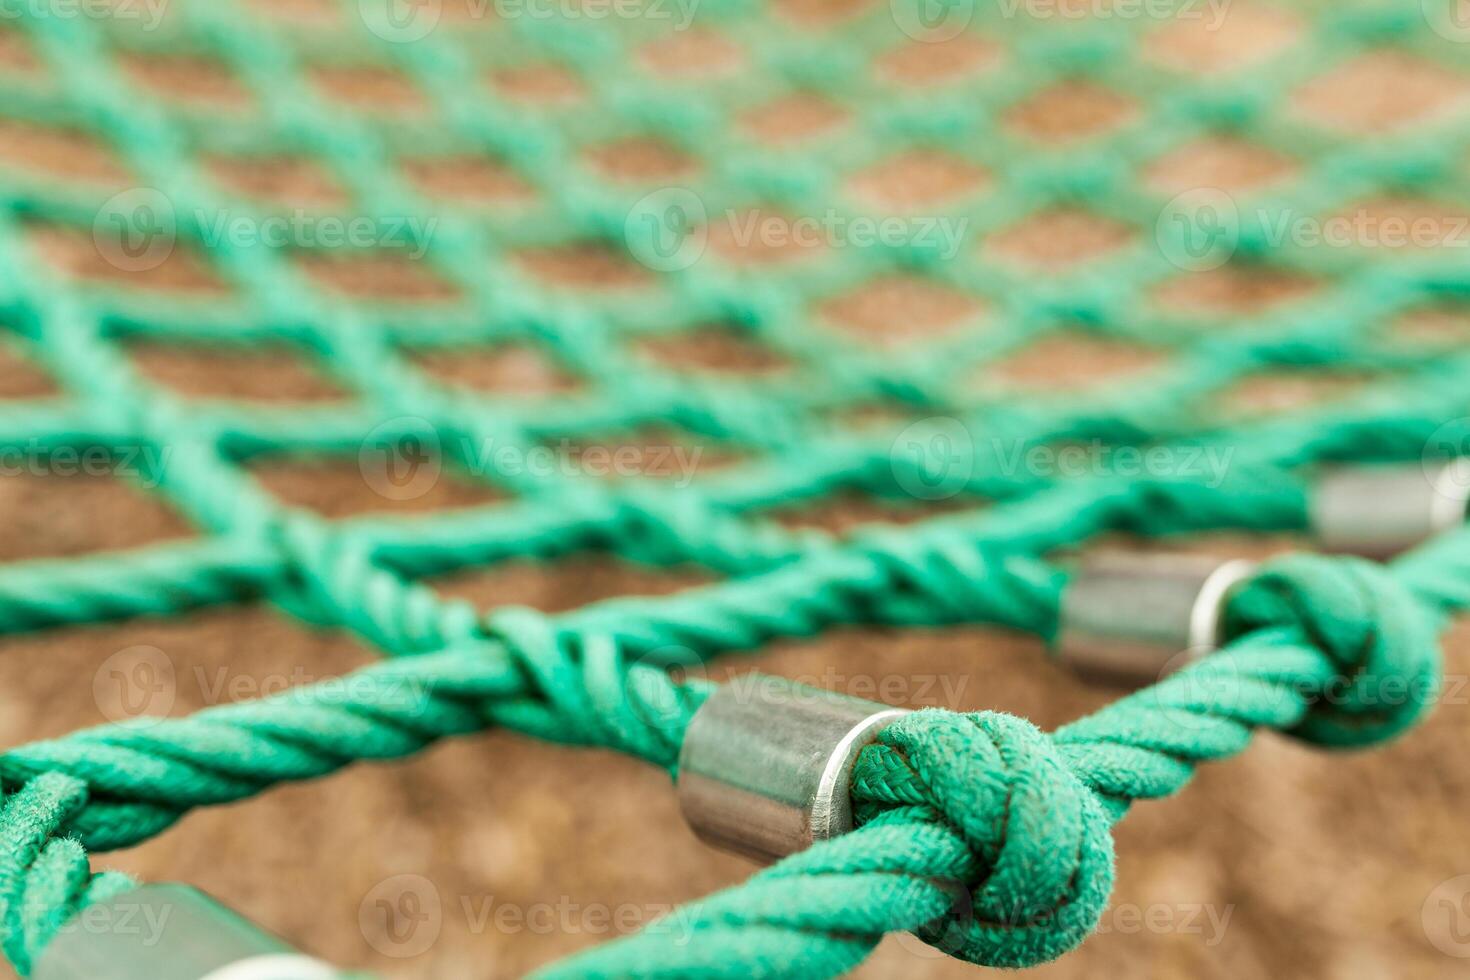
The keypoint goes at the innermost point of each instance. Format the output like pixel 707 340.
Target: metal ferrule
pixel 766 765
pixel 1133 618
pixel 171 932
pixel 1379 511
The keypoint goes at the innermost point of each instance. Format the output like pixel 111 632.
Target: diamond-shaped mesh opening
pixel 881 417
pixel 713 349
pixel 188 81
pixel 376 275
pixel 1282 391
pixel 1232 290
pixel 1228 162
pixel 21 377
pixel 925 63
pixel 284 182
pixel 49 500
pixel 16 56
pixel 639 159
pixel 917 179
pixel 589 267
pixel 372 89
pixel 1444 326
pixel 847 512
pixel 55 153
pixel 1067 362
pixel 693 55
pixel 396 478
pixel 468 15
pixel 468 179
pixel 792 118
pixel 1070 111
pixel 822 13
pixel 510 369
pixel 103 256
pixel 765 237
pixel 299 13
pixel 1228 38
pixel 258 373
pixel 896 309
pixel 566 583
pixel 546 85
pixel 150 668
pixel 1404 226
pixel 1380 91
pixel 1059 238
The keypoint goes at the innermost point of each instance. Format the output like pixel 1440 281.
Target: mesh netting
pixel 649 283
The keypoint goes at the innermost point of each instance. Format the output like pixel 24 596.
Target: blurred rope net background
pixel 931 243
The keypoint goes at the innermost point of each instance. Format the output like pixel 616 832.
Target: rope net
pixel 901 227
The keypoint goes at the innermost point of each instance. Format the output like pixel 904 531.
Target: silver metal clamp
pixel 766 765
pixel 1379 511
pixel 1131 618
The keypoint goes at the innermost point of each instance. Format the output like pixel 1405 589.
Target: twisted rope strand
pixel 1032 811
pixel 986 837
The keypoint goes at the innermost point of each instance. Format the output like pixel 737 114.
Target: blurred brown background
pixel 497 854
pixel 491 855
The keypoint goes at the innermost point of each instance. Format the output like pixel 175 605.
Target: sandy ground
pixel 490 855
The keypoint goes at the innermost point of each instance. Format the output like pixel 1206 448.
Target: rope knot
pixel 45 878
pixel 1041 846
pixel 584 688
pixel 1379 637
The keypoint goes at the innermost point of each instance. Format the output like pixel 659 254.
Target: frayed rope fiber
pixel 986 837
pixel 991 840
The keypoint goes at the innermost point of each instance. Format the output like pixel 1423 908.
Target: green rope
pixel 986 837
pixel 991 840
pixel 1018 821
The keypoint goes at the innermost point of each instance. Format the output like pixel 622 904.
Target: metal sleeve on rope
pixel 1133 618
pixel 1379 511
pixel 766 765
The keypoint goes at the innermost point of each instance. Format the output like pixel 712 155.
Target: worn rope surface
pixel 987 837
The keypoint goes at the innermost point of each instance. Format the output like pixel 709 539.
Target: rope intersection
pixel 988 838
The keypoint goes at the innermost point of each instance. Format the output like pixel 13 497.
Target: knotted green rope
pixel 981 834
pixel 978 832
pixel 991 840
pixel 44 877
